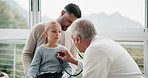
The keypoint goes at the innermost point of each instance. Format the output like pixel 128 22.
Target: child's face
pixel 54 33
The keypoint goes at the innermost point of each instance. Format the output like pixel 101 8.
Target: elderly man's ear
pixel 45 33
pixel 78 39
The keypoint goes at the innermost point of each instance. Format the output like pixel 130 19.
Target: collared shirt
pixel 105 58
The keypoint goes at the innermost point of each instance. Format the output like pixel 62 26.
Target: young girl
pixel 45 64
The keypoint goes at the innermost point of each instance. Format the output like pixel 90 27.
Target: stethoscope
pixel 61 63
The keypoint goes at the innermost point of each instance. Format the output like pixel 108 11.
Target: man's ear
pixel 45 33
pixel 63 12
pixel 78 39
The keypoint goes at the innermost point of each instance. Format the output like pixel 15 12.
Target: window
pixel 14 28
pixel 107 15
pixel 14 14
pixel 10 58
pixel 136 50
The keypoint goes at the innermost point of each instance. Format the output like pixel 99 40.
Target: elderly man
pixel 103 57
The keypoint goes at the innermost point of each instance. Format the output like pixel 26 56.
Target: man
pixel 103 57
pixel 70 13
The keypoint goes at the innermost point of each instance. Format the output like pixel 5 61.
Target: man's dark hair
pixel 73 9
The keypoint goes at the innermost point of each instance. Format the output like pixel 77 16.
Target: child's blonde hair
pixel 48 25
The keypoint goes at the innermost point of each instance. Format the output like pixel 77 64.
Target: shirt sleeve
pixel 35 64
pixel 80 64
pixel 96 64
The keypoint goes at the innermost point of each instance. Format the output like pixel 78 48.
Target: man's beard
pixel 62 24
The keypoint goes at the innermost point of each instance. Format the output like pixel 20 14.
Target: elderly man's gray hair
pixel 83 27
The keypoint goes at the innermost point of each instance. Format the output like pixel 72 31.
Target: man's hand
pixel 67 56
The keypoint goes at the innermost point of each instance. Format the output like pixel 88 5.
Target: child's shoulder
pixel 62 47
pixel 41 46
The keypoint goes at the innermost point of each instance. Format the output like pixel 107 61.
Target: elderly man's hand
pixel 67 56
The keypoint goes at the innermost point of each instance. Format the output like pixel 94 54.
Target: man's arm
pixel 28 51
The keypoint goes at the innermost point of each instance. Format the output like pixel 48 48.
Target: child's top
pixel 45 61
